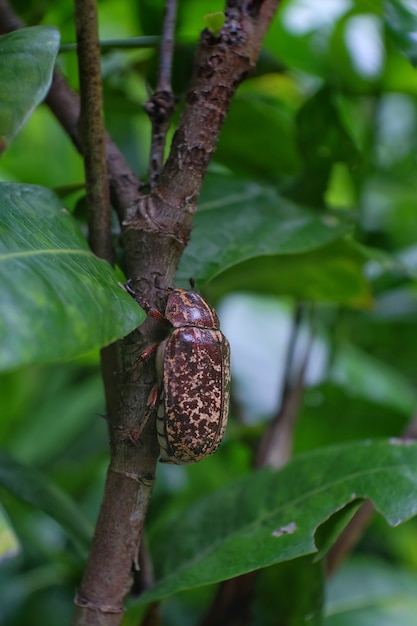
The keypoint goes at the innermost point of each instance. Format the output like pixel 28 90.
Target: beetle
pixel 193 372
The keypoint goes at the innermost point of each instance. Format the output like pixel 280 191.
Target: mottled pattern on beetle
pixel 196 380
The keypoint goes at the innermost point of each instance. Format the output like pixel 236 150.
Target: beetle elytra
pixel 193 368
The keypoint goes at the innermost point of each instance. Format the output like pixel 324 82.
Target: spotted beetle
pixel 193 370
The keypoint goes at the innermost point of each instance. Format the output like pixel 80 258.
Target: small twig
pixel 167 49
pixel 276 445
pixel 150 41
pixel 231 604
pixel 91 126
pixel 161 104
pixel 8 19
pixel 349 537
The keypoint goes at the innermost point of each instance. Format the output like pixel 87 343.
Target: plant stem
pixel 275 448
pixel 161 104
pixel 118 44
pixel 167 47
pixel 91 125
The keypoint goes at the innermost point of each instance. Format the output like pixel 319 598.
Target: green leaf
pixel 258 136
pixel 331 274
pixel 27 58
pixel 296 587
pixel 355 414
pixel 214 22
pixel 301 34
pixel 32 487
pixel 371 593
pixel 247 236
pixel 9 543
pixel 401 21
pixel 368 377
pixel 272 516
pixel 58 300
pixel 323 139
pixel 80 400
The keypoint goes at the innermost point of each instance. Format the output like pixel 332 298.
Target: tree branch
pixel 221 64
pixel 91 126
pixel 161 105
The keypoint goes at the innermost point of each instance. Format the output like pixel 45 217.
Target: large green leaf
pixel 27 58
pixel 272 516
pixel 247 237
pixel 58 300
pixel 330 274
pixel 34 488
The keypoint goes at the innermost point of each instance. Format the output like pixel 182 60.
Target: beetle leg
pixel 143 356
pixel 147 352
pixel 156 400
pixel 139 299
pixel 144 304
pixel 153 398
pixel 128 287
pixel 161 430
pixel 133 434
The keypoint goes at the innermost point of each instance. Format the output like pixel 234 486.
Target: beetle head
pixel 187 308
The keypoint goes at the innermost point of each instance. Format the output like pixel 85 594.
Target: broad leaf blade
pixel 27 58
pixel 270 517
pixel 246 237
pixel 58 300
pixel 333 273
pixel 239 221
pixel 32 487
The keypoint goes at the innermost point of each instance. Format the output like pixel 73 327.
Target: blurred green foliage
pixel 327 124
